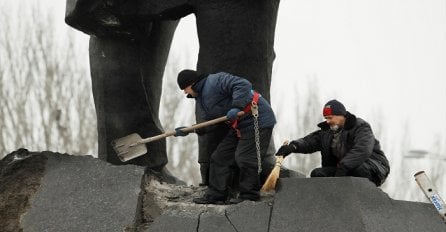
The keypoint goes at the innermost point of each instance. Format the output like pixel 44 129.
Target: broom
pixel 270 182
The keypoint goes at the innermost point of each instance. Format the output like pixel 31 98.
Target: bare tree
pixel 305 113
pixel 44 86
pixel 177 111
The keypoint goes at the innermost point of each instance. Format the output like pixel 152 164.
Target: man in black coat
pixel 347 145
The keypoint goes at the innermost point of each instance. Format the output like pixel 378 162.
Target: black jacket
pixel 359 145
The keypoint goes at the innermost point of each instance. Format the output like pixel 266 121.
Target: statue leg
pixel 127 80
pixel 238 38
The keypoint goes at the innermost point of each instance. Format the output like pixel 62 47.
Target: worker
pixel 347 145
pixel 245 143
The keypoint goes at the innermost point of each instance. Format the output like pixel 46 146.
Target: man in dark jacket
pixel 347 145
pixel 222 94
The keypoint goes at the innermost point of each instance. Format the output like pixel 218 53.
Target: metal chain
pixel 255 114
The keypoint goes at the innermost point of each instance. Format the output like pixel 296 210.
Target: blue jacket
pixel 218 93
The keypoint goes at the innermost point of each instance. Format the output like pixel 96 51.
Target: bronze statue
pixel 129 45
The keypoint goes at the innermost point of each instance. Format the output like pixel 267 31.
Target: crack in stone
pixel 271 204
pixel 140 220
pixel 199 218
pixel 229 220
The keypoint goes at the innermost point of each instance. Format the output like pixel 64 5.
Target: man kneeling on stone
pixel 347 145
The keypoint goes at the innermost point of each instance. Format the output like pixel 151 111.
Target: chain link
pixel 255 114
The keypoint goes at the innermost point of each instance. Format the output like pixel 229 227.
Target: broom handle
pixel 270 182
pixel 279 160
pixel 188 129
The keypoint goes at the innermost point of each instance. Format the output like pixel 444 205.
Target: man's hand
pixel 232 114
pixel 179 132
pixel 285 150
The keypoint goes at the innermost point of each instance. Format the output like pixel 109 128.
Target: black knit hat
pixel 334 107
pixel 187 77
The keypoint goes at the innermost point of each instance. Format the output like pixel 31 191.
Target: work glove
pixel 179 132
pixel 285 150
pixel 232 114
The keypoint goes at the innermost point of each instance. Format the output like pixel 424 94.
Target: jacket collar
pixel 350 122
pixel 198 86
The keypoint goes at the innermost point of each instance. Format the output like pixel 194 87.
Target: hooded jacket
pixel 357 141
pixel 218 93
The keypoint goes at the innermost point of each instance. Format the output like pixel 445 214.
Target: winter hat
pixel 187 77
pixel 334 107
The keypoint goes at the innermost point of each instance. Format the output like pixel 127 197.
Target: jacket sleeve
pixel 361 150
pixel 238 88
pixel 308 144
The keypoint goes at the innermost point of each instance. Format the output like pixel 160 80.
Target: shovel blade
pixel 128 147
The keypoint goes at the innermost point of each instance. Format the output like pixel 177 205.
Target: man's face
pixel 189 90
pixel 335 121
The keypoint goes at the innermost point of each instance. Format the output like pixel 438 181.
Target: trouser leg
pixel 323 172
pixel 366 170
pixel 213 138
pixel 222 165
pixel 247 162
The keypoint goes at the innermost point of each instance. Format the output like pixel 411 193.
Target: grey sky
pixel 387 56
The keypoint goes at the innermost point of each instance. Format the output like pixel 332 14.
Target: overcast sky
pixel 387 56
pixel 378 57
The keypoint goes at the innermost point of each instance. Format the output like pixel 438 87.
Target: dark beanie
pixel 334 107
pixel 187 77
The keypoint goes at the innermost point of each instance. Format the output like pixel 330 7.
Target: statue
pixel 129 45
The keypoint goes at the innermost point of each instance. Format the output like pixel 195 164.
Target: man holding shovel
pixel 244 144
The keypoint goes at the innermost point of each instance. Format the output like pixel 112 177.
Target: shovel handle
pixel 189 129
pixel 209 123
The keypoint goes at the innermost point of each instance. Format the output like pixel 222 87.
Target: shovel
pixel 132 146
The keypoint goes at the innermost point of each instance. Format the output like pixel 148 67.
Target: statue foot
pixel 164 175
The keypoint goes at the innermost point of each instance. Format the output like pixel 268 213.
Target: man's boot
pixel 163 174
pixel 209 199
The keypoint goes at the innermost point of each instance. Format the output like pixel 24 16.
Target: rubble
pixel 49 191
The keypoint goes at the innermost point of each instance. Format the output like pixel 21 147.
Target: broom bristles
pixel 270 183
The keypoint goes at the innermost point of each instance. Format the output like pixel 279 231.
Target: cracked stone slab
pixel 81 193
pixel 250 216
pixel 346 204
pixel 170 208
pixel 215 222
pixel 175 222
pixel 187 216
pixel 316 204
